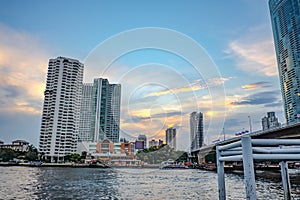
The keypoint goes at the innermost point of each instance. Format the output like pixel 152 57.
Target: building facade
pixel 105 147
pixel 100 111
pixel 60 117
pixel 270 121
pixel 171 137
pixel 196 130
pixel 17 145
pixel 153 143
pixel 85 133
pixel 285 17
pixel 144 139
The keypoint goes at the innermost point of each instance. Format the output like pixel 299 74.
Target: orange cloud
pixel 254 86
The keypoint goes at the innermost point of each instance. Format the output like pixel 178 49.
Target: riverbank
pixel 74 165
pixel 40 164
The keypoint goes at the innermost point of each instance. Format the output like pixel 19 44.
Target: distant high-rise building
pixel 123 140
pixel 100 111
pixel 143 138
pixel 160 142
pixel 285 17
pixel 60 118
pixel 196 130
pixel 171 137
pixel 270 121
pixel 153 143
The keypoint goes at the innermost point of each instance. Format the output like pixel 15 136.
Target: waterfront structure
pixel 117 148
pixel 153 143
pixel 171 137
pixel 196 130
pixel 144 139
pixel 128 148
pixel 60 117
pixel 285 17
pixel 105 147
pixel 17 145
pixel 270 121
pixel 100 111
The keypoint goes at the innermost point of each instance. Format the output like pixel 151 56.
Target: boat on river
pixel 171 164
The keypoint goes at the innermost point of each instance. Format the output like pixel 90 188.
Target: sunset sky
pixel 171 57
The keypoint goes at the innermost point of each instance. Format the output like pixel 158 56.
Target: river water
pixel 95 183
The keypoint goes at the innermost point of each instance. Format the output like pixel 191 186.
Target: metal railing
pixel 247 150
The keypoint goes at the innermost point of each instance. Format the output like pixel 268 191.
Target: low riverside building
pixel 17 145
pixel 105 146
pixel 128 148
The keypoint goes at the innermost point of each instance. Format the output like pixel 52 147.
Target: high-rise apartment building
pixel 171 137
pixel 285 17
pixel 100 111
pixel 196 130
pixel 60 118
pixel 270 121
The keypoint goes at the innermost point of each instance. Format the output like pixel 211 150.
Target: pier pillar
pixel 221 176
pixel 249 177
pixel 285 180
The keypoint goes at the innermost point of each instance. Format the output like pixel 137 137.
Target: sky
pixel 171 58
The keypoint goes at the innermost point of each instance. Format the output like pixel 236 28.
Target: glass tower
pixel 285 17
pixel 100 111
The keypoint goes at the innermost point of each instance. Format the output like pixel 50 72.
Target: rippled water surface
pixel 89 183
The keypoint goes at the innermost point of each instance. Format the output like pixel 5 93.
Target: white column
pixel 221 177
pixel 249 177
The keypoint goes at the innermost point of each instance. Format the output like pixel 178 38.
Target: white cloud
pixel 23 66
pixel 254 52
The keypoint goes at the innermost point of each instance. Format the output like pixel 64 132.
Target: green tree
pixel 32 153
pixel 75 157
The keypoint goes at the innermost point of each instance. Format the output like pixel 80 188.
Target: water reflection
pixel 88 183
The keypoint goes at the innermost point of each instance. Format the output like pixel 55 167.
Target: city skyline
pixel 241 47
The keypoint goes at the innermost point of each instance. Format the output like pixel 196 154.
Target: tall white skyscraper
pixel 100 111
pixel 171 137
pixel 196 130
pixel 60 118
